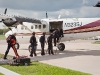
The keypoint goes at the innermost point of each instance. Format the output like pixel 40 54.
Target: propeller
pixel 4 13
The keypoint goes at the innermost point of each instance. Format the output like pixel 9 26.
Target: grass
pixel 2 37
pixel 37 68
pixel 1 74
pixel 1 55
pixel 96 42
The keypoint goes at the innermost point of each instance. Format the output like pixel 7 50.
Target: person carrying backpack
pixel 11 40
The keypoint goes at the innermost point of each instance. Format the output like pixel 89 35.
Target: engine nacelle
pixel 9 22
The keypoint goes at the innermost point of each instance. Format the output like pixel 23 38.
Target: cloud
pixel 38 8
pixel 40 5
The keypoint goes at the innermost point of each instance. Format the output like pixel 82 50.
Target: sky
pixel 38 8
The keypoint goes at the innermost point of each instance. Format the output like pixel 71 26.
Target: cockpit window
pixel 44 26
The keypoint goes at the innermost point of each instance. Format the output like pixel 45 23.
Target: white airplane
pixel 73 28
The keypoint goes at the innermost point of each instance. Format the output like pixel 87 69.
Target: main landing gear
pixel 61 46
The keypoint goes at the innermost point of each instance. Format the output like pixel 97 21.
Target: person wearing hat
pixel 33 44
pixel 11 40
pixel 42 42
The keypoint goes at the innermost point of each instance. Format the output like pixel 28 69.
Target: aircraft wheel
pixel 61 46
pixel 30 48
pixel 17 45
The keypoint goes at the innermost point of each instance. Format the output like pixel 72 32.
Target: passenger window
pixel 35 26
pixel 25 27
pixel 44 26
pixel 22 28
pixel 31 27
pixel 39 26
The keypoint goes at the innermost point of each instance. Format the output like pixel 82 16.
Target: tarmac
pixel 80 55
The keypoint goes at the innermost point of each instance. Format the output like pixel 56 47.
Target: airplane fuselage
pixel 73 28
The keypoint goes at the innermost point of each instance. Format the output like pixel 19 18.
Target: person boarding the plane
pixel 61 34
pixel 11 40
pixel 50 46
pixel 56 36
pixel 33 44
pixel 42 42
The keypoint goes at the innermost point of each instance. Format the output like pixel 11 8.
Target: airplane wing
pixel 12 20
pixel 20 18
pixel 25 19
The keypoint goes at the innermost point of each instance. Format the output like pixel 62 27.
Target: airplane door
pixel 55 25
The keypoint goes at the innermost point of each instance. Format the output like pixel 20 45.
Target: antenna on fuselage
pixel 46 15
pixel 59 16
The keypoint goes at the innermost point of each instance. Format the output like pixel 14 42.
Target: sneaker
pixel 35 55
pixel 4 58
pixel 31 55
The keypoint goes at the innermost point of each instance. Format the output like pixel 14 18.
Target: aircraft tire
pixel 30 48
pixel 61 46
pixel 17 45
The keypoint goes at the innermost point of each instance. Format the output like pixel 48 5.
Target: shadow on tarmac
pixel 66 53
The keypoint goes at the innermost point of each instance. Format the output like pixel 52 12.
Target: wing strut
pixel 30 30
pixel 27 28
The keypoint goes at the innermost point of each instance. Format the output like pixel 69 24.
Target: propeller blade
pixel 5 11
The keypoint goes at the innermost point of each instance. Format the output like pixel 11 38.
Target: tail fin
pixel 46 15
pixel 5 11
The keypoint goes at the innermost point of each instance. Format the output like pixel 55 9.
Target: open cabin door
pixel 55 25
